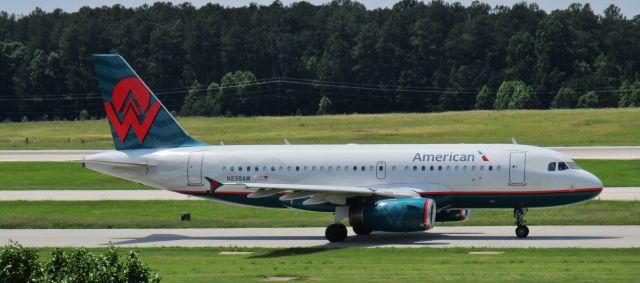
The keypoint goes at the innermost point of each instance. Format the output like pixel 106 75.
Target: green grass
pixel 390 264
pixel 212 214
pixel 57 176
pixel 536 127
pixel 71 176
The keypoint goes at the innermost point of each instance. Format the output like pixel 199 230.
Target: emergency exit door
pixel 194 168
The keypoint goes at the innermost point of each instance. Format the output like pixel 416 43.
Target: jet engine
pixel 393 215
pixel 453 215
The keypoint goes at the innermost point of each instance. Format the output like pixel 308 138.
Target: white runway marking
pixel 580 152
pixel 467 236
pixel 615 193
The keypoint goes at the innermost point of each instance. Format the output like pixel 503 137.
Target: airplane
pixel 377 187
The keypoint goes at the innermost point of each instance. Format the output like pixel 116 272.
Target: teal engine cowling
pixel 394 215
pixel 453 215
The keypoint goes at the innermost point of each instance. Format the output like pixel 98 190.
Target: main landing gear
pixel 522 231
pixel 337 232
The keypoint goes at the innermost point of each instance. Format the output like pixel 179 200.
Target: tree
pixel 324 107
pixel 192 105
pixel 524 97
pixel 630 94
pixel 565 98
pixel 485 99
pixel 588 100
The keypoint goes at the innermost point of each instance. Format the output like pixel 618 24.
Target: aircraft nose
pixel 592 181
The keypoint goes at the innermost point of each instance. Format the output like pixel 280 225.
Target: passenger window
pixel 288 168
pixel 393 168
pixel 380 168
pixel 363 168
pixel 305 168
pixel 321 168
pixel 562 166
pixel 231 168
pixel 370 167
pixel 415 168
pixel 481 167
pixel 313 168
pixel 224 168
pixel 457 167
pixel 552 166
pixel 264 168
pixel 464 168
pixel 240 168
pixel 281 168
pixel 338 168
pixel 424 167
pixel 329 168
pixel 439 167
pixel 431 167
pixel 448 168
pixel 498 168
pixel 248 168
pixel 297 168
pixel 406 167
pixel 257 169
pixel 355 168
pixel 490 167
pixel 273 168
pixel 473 168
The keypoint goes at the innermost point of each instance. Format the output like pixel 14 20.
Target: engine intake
pixel 394 215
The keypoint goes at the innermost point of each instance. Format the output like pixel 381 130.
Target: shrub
pixel 485 99
pixel 19 264
pixel 588 100
pixel 565 98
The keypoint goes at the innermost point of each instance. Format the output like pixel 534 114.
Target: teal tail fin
pixel 137 118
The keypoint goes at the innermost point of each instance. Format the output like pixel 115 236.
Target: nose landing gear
pixel 522 231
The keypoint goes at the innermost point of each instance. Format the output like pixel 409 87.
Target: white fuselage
pixel 425 168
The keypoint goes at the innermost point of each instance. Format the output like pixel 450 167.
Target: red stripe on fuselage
pixel 536 192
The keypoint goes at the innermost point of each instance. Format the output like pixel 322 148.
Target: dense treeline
pixel 334 58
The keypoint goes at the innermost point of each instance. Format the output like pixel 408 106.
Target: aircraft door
pixel 517 169
pixel 381 170
pixel 194 169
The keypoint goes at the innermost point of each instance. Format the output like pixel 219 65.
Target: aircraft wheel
pixel 522 231
pixel 361 230
pixel 336 232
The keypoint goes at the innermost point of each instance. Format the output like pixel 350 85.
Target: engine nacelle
pixel 453 215
pixel 394 215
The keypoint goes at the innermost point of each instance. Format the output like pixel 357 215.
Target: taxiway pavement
pixel 462 236
pixel 585 152
pixel 614 193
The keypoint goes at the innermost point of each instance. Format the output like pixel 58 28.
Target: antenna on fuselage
pixel 286 141
pixel 513 140
pixel 221 143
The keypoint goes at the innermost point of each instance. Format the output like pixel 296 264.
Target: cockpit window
pixel 552 166
pixel 573 165
pixel 562 166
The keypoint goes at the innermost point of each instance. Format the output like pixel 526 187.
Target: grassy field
pixel 390 264
pixel 58 176
pixel 71 176
pixel 212 214
pixel 536 127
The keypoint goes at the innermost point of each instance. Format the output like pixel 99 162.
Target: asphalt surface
pixel 625 194
pixel 467 236
pixel 591 152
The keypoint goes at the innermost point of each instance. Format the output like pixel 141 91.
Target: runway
pixel 467 236
pixel 615 193
pixel 584 152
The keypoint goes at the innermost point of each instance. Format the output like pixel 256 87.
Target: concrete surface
pixel 463 236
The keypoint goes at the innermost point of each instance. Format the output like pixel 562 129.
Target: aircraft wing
pixel 315 194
